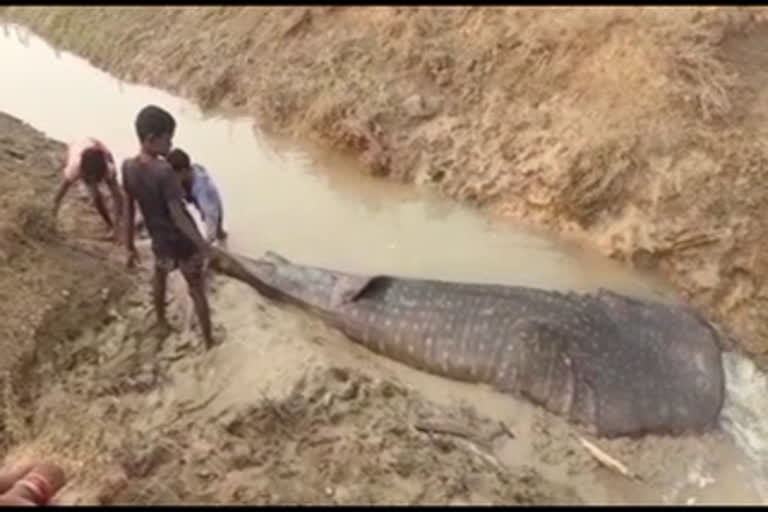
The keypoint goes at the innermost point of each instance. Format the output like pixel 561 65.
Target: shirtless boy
pixel 176 243
pixel 90 161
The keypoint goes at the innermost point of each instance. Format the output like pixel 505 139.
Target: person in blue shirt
pixel 201 191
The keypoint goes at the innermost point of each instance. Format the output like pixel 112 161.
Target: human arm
pixel 205 192
pixel 117 199
pixel 182 221
pixel 209 202
pixel 173 195
pixel 60 193
pixel 98 202
pixel 129 214
pixel 70 173
pixel 128 231
pixel 194 202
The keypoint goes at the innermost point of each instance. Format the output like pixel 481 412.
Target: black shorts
pixel 191 265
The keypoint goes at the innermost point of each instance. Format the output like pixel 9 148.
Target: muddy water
pixel 312 209
pixel 281 201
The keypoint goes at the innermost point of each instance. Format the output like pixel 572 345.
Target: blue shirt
pixel 207 199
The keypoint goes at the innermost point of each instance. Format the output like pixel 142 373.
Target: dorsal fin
pixel 273 257
pixel 348 287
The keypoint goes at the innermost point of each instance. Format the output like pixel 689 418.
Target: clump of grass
pixel 34 222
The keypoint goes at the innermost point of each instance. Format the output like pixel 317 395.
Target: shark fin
pixel 273 257
pixel 348 287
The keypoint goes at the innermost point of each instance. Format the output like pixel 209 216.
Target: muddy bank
pixel 640 129
pixel 50 287
pixel 137 419
pixel 285 410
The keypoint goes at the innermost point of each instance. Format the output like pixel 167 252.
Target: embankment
pixel 51 287
pixel 640 129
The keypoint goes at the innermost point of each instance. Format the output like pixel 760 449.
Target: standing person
pixel 91 162
pixel 201 191
pixel 176 242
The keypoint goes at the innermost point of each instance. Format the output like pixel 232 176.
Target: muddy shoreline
pixel 50 287
pixel 86 384
pixel 638 130
pixel 285 411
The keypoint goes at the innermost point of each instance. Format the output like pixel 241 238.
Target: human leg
pixel 163 267
pixel 192 269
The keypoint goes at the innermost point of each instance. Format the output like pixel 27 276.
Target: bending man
pixel 90 161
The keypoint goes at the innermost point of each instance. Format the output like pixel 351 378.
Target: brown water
pixel 315 210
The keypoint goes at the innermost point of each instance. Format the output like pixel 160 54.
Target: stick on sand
pixel 606 460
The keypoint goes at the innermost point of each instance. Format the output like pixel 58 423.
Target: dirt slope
pixel 49 287
pixel 640 128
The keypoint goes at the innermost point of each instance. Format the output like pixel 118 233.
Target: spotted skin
pixel 618 365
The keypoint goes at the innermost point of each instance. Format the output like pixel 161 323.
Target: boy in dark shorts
pixel 176 242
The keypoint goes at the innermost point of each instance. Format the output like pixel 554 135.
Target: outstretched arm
pixel 129 240
pixel 193 200
pixel 98 201
pixel 60 193
pixel 71 173
pixel 185 224
pixel 173 195
pixel 128 215
pixel 117 198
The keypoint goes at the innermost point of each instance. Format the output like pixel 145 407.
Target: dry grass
pixel 316 68
pixel 609 73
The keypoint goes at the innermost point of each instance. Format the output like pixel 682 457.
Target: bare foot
pixel 216 338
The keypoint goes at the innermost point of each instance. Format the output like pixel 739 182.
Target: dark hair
pixel 178 159
pixel 153 120
pixel 93 165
